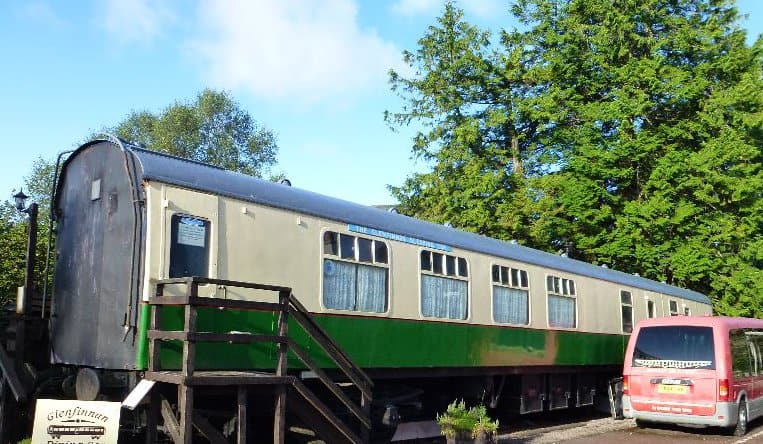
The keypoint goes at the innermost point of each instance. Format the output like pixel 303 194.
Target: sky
pixel 312 71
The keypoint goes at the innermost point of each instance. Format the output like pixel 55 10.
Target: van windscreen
pixel 675 346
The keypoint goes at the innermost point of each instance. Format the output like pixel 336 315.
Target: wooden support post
pixel 205 428
pixel 279 426
pixel 154 345
pixel 242 416
pixel 170 422
pixel 185 395
pixel 365 405
pixel 152 416
pixel 185 405
pixel 283 332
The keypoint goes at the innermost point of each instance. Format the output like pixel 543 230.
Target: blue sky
pixel 313 71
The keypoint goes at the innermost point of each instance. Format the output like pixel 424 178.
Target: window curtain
pixel 561 311
pixel 510 305
pixel 338 285
pixel 443 297
pixel 372 289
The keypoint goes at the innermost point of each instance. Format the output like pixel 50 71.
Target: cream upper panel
pixel 252 243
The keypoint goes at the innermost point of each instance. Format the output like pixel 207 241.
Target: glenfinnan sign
pixel 75 422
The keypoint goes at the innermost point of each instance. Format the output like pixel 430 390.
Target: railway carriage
pixel 427 310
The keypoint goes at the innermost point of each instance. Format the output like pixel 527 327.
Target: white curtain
pixel 338 285
pixel 349 286
pixel 561 311
pixel 372 289
pixel 510 305
pixel 443 297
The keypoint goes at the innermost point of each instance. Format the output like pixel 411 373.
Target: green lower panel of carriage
pixel 375 342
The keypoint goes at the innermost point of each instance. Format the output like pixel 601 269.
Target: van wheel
pixel 741 427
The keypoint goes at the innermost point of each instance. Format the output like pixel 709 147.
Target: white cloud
pixel 44 14
pixel 411 8
pixel 301 50
pixel 482 9
pixel 135 20
pixel 487 9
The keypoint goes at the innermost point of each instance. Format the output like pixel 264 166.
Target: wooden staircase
pixel 303 402
pixel 15 381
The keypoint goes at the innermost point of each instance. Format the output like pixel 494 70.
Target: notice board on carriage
pixel 77 422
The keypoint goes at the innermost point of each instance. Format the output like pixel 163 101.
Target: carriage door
pixel 190 244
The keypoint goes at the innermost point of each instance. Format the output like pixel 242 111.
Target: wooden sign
pixel 75 422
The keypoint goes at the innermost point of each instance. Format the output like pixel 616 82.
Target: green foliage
pixel 12 252
pixel 460 422
pixel 476 133
pixel 213 129
pixel 630 132
pixel 14 233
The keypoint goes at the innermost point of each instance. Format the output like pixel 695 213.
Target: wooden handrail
pixel 357 376
pixel 305 358
pixel 288 305
pixel 200 301
pixel 319 331
pixel 236 338
pixel 204 280
pixel 321 407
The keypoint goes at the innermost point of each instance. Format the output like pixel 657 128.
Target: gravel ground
pixel 565 432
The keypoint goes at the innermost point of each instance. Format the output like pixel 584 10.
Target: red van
pixel 695 371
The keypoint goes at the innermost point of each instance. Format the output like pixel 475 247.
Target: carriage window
pixel 365 251
pixel 380 252
pixel 426 260
pixel 626 309
pixel 355 273
pixel 687 311
pixel 450 265
pixel 562 302
pixel 437 263
pixel 189 246
pixel 330 243
pixel 650 309
pixel 510 295
pixel 444 285
pixel 346 246
pixel 462 267
pixel 673 308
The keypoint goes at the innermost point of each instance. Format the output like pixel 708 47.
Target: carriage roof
pixel 206 178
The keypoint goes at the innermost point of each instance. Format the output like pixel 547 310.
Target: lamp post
pixel 20 198
pixel 27 291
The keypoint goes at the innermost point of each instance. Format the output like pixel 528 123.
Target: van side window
pixel 755 341
pixel 189 246
pixel 740 354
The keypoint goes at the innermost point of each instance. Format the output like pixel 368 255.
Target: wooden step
pixel 313 418
pixel 223 377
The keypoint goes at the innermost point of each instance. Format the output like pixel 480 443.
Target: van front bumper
pixel 726 414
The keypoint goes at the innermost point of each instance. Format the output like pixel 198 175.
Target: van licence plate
pixel 675 389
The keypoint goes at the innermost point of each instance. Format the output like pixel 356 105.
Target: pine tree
pixel 628 132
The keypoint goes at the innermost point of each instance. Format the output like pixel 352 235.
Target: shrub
pixel 458 422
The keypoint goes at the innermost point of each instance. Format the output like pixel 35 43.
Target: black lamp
pixel 20 200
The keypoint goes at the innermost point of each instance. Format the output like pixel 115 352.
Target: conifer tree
pixel 633 131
